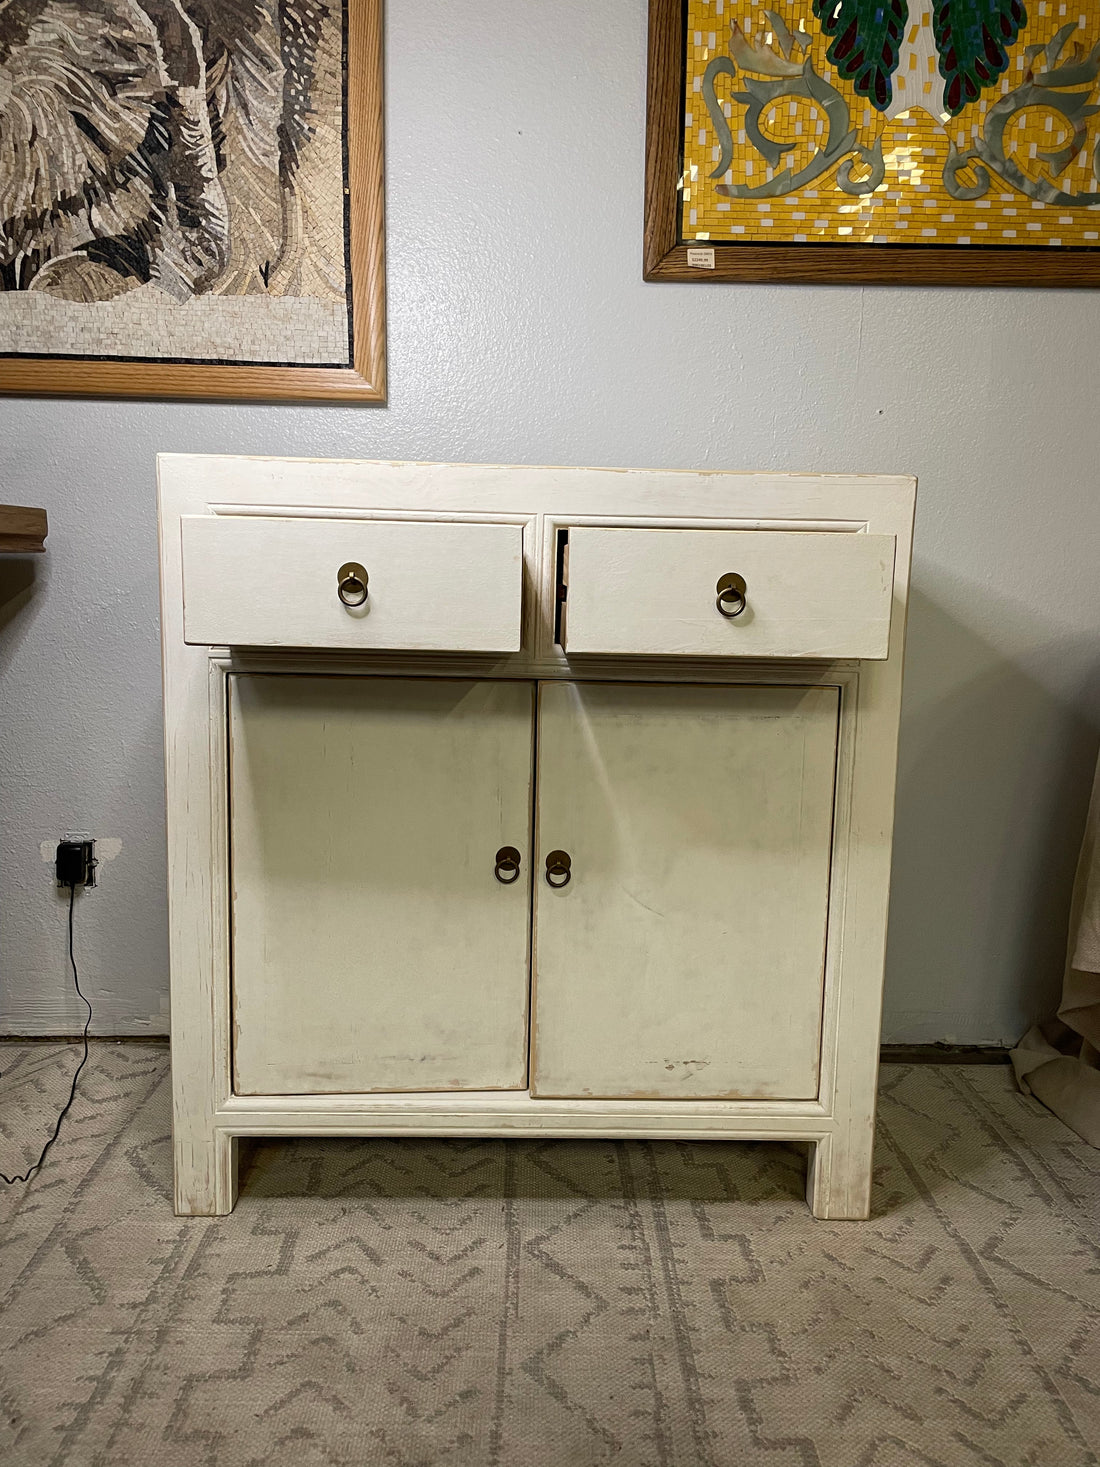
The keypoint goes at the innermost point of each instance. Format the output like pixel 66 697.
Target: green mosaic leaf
pixel 972 37
pixel 867 37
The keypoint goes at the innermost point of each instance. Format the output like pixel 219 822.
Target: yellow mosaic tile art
pixel 781 146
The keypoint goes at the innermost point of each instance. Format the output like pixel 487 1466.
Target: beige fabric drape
pixel 1059 1062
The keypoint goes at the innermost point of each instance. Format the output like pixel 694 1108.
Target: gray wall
pixel 520 331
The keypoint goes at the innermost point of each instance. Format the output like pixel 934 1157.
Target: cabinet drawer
pixel 257 582
pixel 655 593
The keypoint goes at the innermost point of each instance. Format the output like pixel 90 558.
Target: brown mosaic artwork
pixel 172 180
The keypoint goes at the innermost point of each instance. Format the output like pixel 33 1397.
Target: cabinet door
pixel 684 957
pixel 374 948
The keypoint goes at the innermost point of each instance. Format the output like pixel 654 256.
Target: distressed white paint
pixel 691 934
pixel 654 591
pixel 268 582
pixel 520 331
pixel 373 946
pixel 317 778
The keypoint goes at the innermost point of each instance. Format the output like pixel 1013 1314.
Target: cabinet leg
pixel 838 1181
pixel 206 1173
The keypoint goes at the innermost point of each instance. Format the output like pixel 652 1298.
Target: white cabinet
pixel 528 801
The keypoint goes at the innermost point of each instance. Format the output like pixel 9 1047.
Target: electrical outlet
pixel 75 863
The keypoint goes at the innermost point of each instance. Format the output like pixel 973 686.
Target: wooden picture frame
pixel 668 255
pixel 364 378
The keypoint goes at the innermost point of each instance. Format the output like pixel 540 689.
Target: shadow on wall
pixel 18 576
pixel 996 763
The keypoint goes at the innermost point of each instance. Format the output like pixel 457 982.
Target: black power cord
pixel 26 1176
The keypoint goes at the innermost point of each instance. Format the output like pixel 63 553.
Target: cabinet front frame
pixel 208 1118
pixel 503 1110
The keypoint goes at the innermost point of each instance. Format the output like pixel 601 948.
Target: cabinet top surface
pixel 196 483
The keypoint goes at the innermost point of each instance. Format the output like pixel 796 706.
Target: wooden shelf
pixel 22 531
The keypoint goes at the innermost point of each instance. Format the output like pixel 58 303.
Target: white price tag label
pixel 700 259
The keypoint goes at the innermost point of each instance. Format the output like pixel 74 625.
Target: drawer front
pixel 256 582
pixel 655 593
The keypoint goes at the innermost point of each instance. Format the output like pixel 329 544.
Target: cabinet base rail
pixel 838 1173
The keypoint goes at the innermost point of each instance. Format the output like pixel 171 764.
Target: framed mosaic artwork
pixel 910 141
pixel 191 198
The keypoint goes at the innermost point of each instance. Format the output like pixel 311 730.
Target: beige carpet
pixel 407 1304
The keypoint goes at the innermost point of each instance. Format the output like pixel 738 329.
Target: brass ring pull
pixel 507 860
pixel 558 863
pixel 351 584
pixel 731 590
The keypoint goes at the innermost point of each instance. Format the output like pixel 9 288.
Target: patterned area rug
pixel 546 1304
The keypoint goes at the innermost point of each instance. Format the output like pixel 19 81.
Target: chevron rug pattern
pixel 546 1304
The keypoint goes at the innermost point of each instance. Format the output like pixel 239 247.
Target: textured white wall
pixel 520 331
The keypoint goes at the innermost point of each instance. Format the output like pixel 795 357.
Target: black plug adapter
pixel 75 863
